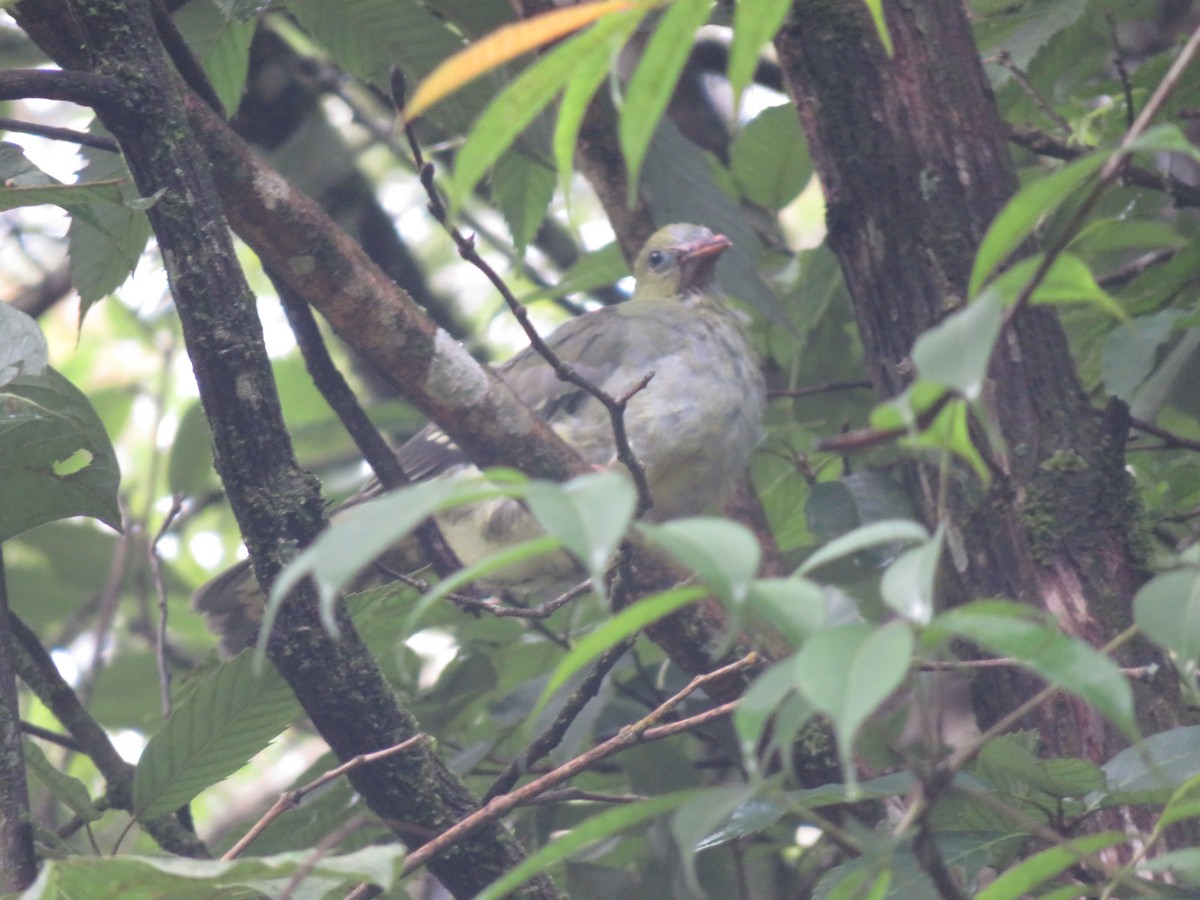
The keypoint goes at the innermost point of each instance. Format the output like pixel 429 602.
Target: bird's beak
pixel 698 259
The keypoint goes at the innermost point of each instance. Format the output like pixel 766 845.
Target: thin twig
pixel 642 730
pixel 291 799
pixel 827 388
pixel 160 588
pixel 553 735
pixel 1004 59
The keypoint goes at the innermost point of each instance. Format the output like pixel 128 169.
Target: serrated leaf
pixel 1041 867
pixel 220 41
pixel 722 553
pixel 522 188
pixel 218 727
pixel 1007 630
pixel 105 246
pixel 45 421
pixel 653 82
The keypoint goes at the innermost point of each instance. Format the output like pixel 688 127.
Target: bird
pixel 693 426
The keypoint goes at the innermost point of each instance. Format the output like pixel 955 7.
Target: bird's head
pixel 677 261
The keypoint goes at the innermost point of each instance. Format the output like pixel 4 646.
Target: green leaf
pixel 754 24
pixel 955 352
pixel 190 463
pixel 577 97
pixel 71 791
pixel 1131 351
pixel 1167 609
pixel 1041 867
pixel 653 82
pixel 1184 804
pixel 693 823
pixel 1153 770
pixel 522 188
pixel 908 583
pixel 588 515
pixel 108 878
pixel 221 44
pixel 596 269
pixel 769 158
pixel 1164 138
pixel 1008 630
pixel 624 624
pixel 23 184
pixel 722 553
pixel 520 103
pixel 885 36
pixel 1069 280
pixel 759 707
pixel 893 531
pixel 847 671
pixel 1022 213
pixel 219 726
pixel 581 835
pixel 23 349
pixel 55 457
pixel 950 430
pixel 105 246
pixel 795 607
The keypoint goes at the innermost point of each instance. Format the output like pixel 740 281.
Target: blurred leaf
pixel 23 348
pixel 219 726
pixel 202 879
pixel 1007 630
pixel 695 820
pixel 795 607
pixel 955 353
pixel 892 531
pixel 45 422
pixel 1041 867
pixel 1184 804
pixel 754 25
pixel 1069 280
pixel 885 37
pixel 769 158
pixel 909 582
pixel 1021 214
pixel 1153 770
pixel 508 114
pixel 588 515
pixel 847 671
pixel 596 269
pixel 70 791
pixel 502 45
pixel 1167 609
pixel 653 82
pixel 588 832
pixel 522 188
pixel 723 554
pixel 1131 351
pixel 627 623
pixel 190 462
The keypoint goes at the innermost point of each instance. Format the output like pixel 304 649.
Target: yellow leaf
pixel 503 44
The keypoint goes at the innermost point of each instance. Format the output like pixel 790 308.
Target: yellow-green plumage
pixel 693 426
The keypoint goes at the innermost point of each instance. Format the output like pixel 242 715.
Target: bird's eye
pixel 656 259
